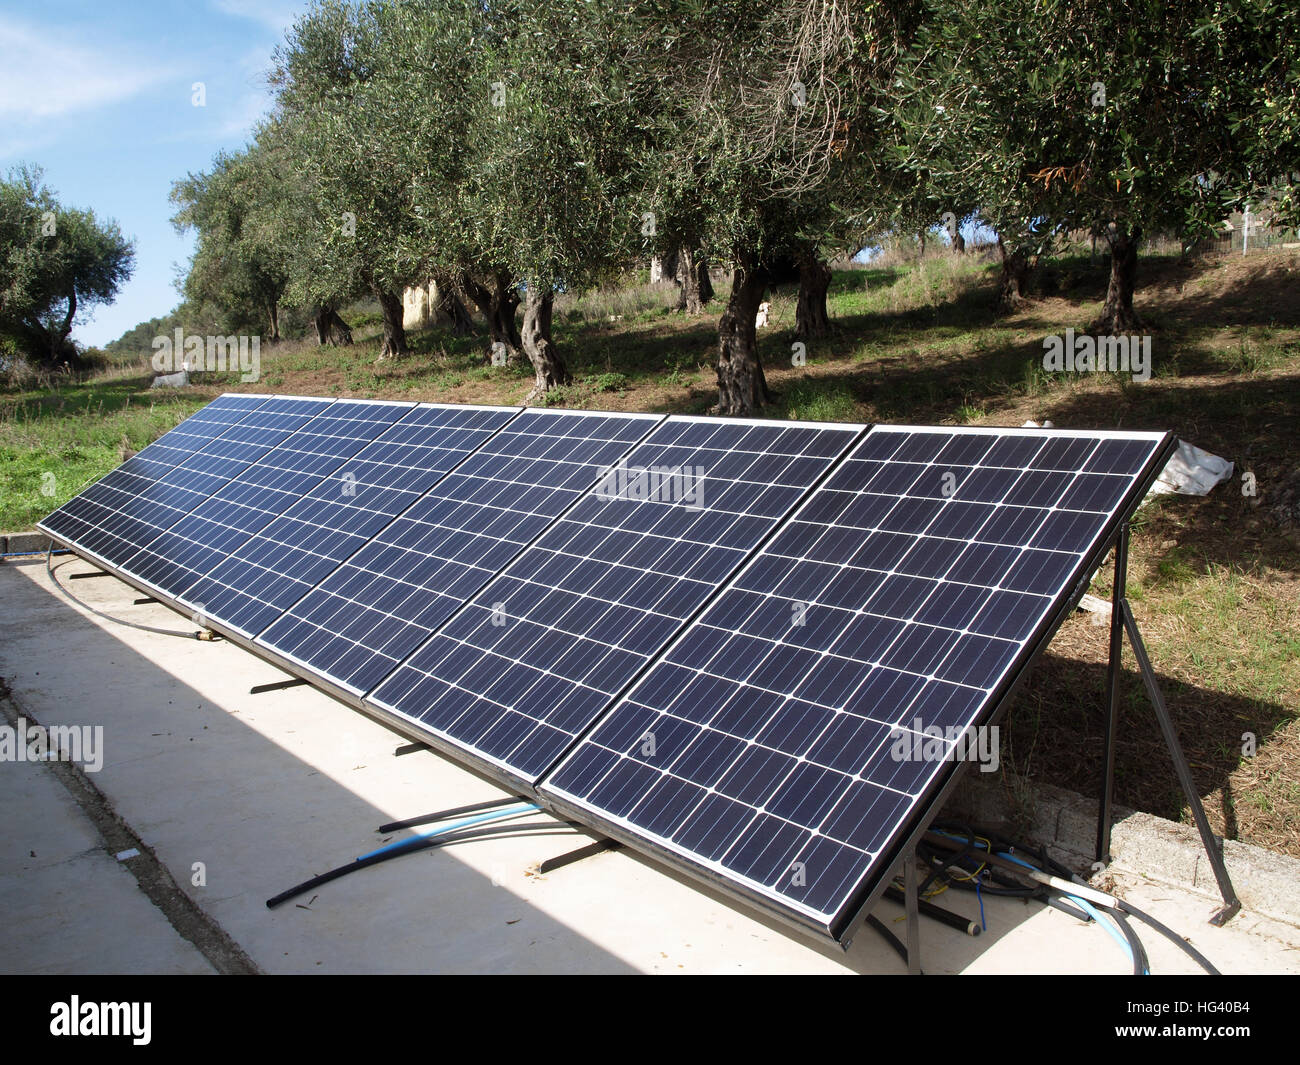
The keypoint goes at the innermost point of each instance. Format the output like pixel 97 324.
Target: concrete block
pixel 26 541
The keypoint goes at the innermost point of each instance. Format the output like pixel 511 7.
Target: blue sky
pixel 99 95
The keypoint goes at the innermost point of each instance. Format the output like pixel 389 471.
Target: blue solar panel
pixel 371 612
pixel 539 652
pixel 177 562
pixel 268 573
pixel 151 491
pixel 901 600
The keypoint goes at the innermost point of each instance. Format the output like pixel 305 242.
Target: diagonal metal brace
pixel 1121 622
pixel 1213 847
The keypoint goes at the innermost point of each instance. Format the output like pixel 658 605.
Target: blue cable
pixel 1084 905
pixel 509 811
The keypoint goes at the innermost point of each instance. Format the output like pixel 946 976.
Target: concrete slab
pixel 259 792
pixel 59 883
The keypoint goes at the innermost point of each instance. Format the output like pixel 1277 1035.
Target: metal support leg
pixel 276 685
pixel 550 865
pixel 1212 846
pixel 913 914
pixel 1104 815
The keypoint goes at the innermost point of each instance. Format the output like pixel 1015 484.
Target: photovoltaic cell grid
pixel 904 594
pixel 543 649
pixel 151 491
pixel 178 562
pixel 385 600
pixel 270 572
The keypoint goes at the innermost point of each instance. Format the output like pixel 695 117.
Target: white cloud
pixel 45 76
pixel 279 16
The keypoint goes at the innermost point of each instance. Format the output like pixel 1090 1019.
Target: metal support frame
pixel 1122 622
pixel 579 854
pixel 913 914
pixel 275 686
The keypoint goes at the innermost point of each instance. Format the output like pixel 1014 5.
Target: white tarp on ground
pixel 1191 472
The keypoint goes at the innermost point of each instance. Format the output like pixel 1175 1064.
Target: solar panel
pixel 539 652
pixel 357 624
pixel 113 518
pixel 900 603
pixel 177 562
pixel 267 574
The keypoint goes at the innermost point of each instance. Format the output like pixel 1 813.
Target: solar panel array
pixel 763 744
pixel 711 638
pixel 539 652
pixel 355 626
pixel 151 491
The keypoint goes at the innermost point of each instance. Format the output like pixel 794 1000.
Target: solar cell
pixel 788 738
pixel 373 610
pixel 178 561
pixel 113 518
pixel 540 651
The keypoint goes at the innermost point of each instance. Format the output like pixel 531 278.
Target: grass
pixel 1214 582
pixel 53 444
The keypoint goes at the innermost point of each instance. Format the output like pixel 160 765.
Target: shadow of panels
pixel 367 615
pixel 135 503
pixel 268 573
pixel 536 655
pixel 178 560
pixel 792 738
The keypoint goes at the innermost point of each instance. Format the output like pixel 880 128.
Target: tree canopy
pixel 56 263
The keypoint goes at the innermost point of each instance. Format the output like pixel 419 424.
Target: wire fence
pixel 1251 237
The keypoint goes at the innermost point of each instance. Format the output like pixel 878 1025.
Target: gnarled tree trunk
pixel 539 302
pixel 394 345
pixel 958 241
pixel 811 318
pixel 1117 315
pixel 742 388
pixel 449 303
pixel 497 305
pixel 1012 279
pixel 273 318
pixel 330 328
pixel 692 273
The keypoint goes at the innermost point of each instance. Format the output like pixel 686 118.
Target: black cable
pixel 49 568
pixel 1065 906
pixel 1120 904
pixel 945 859
pixel 1141 964
pixel 890 938
pixel 416 844
pixel 956 860
pixel 443 815
pixel 1170 935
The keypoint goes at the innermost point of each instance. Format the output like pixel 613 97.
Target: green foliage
pixel 55 264
pixel 1055 115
